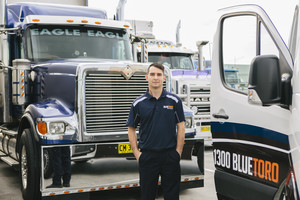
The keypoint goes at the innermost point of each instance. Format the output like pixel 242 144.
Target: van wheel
pixel 29 167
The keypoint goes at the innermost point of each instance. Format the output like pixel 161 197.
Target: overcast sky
pixel 198 17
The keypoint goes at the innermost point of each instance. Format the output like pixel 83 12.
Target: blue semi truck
pixel 67 79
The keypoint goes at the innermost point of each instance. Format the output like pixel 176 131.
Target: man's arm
pixel 180 137
pixel 133 142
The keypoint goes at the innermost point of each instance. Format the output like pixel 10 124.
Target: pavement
pixel 10 187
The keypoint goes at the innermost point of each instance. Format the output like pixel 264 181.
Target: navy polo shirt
pixel 157 119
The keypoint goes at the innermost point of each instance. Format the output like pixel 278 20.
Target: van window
pixel 267 46
pixel 239 48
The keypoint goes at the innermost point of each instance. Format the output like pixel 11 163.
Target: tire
pixel 29 167
pixel 48 166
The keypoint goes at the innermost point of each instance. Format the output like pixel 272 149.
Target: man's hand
pixel 137 155
pixel 133 142
pixel 180 137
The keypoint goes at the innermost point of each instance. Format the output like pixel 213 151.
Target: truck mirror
pixel 264 81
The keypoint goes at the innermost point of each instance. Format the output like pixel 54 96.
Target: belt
pixel 158 150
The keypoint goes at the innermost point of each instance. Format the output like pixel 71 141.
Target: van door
pixel 251 142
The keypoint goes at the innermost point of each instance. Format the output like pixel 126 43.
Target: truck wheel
pixel 48 168
pixel 29 167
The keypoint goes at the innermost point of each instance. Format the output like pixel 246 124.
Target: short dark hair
pixel 157 65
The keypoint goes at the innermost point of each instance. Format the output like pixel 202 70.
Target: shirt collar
pixel 149 96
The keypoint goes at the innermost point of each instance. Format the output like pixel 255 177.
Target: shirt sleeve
pixel 133 117
pixel 179 113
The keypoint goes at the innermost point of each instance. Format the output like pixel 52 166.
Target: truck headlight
pixel 188 123
pixel 57 127
pixel 195 110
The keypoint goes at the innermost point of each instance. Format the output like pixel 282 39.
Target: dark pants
pixel 163 163
pixel 61 165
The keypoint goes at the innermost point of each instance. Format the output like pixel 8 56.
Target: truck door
pixel 251 142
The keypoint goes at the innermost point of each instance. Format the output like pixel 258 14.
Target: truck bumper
pixel 123 150
pixel 203 130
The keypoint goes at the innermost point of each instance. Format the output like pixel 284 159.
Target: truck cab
pixel 255 129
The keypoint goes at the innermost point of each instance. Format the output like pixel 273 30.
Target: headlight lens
pixel 195 110
pixel 57 127
pixel 188 123
pixel 42 127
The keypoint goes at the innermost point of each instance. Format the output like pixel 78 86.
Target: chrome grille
pixel 108 99
pixel 203 101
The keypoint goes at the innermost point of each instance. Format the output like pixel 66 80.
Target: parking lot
pixel 10 186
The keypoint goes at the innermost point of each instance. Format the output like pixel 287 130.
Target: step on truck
pixel 256 130
pixel 67 81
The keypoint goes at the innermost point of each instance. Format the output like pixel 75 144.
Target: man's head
pixel 157 65
pixel 155 76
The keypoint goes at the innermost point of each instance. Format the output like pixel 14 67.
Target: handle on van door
pixel 220 116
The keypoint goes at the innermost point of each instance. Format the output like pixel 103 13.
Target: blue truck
pixel 67 79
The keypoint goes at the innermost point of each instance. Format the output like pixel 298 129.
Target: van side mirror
pixel 264 81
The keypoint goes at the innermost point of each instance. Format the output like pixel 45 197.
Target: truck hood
pixel 69 66
pixel 191 76
pixel 190 73
pixel 59 79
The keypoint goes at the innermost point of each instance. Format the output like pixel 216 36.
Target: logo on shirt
pixel 169 107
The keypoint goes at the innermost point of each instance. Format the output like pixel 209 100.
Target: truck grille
pixel 108 99
pixel 201 99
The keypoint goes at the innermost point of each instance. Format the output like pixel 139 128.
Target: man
pixel 61 163
pixel 161 118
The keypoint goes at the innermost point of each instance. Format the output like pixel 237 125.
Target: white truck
pixel 67 79
pixel 256 131
pixel 192 86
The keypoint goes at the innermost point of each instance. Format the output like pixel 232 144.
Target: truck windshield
pixel 63 42
pixel 172 60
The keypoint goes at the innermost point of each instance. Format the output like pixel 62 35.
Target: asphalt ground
pixel 10 187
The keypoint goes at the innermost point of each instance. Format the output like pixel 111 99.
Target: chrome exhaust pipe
pixel 120 10
pixel 178 42
pixel 2 13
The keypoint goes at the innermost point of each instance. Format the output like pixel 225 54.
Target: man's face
pixel 155 78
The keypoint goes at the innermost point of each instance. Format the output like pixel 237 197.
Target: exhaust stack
pixel 2 13
pixel 199 45
pixel 120 10
pixel 178 43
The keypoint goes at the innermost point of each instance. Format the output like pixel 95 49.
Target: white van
pixel 256 131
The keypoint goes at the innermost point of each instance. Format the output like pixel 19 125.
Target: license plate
pixel 205 128
pixel 124 148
